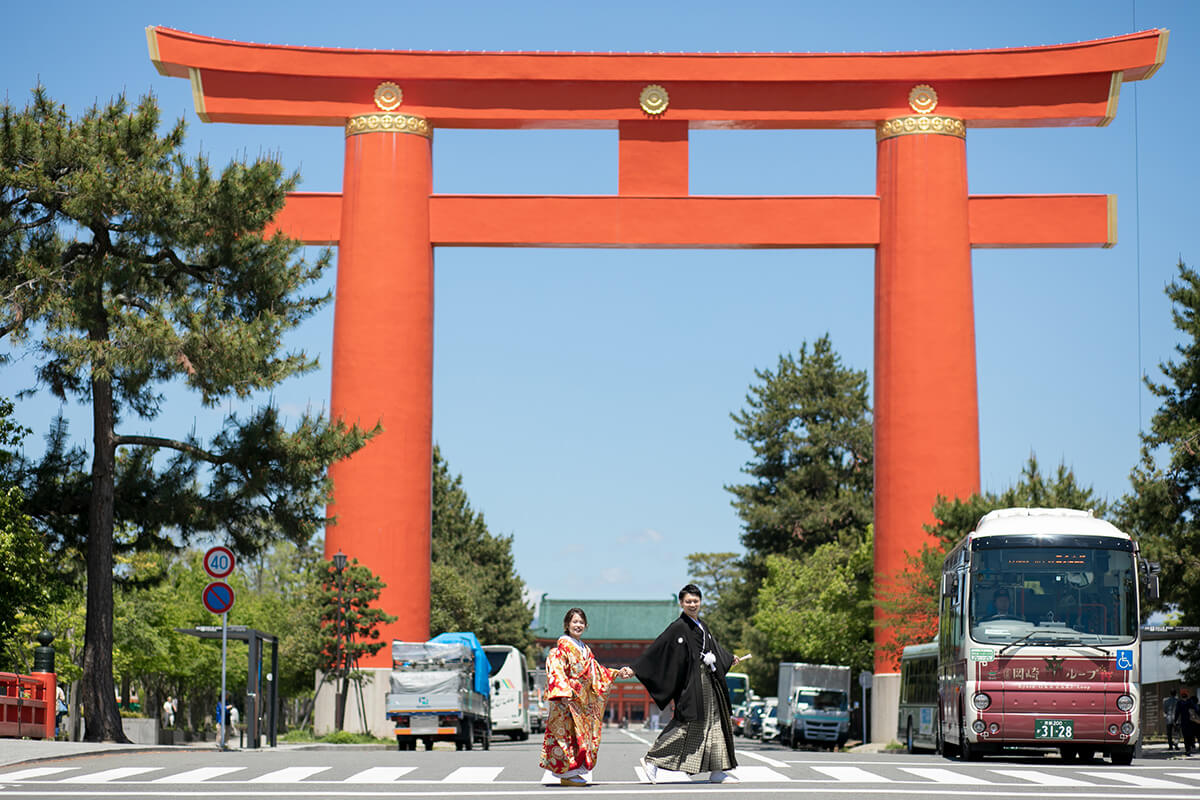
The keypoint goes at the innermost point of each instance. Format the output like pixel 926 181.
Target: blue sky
pixel 585 395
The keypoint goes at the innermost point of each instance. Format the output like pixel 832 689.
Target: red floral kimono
pixel 573 727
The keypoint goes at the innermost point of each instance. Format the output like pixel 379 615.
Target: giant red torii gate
pixel 921 222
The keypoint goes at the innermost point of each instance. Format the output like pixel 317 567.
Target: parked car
pixel 752 726
pixel 737 716
pixel 769 730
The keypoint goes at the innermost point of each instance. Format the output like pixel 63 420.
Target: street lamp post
pixel 339 564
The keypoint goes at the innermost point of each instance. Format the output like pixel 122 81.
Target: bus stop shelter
pixel 255 702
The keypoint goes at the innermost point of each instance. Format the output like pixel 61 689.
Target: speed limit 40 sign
pixel 218 562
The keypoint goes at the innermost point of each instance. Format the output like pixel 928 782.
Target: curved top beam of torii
pixel 1054 85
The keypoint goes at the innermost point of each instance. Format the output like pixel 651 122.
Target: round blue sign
pixel 218 597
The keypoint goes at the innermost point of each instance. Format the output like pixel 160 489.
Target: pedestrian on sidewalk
pixel 1187 712
pixel 1170 702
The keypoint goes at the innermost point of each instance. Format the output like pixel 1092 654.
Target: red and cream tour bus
pixel 1039 635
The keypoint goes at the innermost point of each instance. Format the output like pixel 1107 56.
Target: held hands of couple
pixel 625 672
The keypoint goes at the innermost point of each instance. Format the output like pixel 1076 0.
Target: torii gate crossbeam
pixel 921 223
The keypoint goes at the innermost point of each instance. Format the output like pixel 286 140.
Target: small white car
pixel 770 723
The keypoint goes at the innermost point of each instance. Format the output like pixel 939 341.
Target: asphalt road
pixel 510 769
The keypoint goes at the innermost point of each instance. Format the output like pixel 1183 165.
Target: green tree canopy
pixel 125 265
pixel 815 609
pixel 808 424
pixel 1163 510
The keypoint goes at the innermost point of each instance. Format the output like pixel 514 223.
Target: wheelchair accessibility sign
pixel 1125 660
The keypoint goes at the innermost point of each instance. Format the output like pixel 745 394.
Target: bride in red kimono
pixel 577 686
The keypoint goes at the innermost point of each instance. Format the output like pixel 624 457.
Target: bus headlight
pixel 1126 728
pixel 994 728
pixel 1125 702
pixel 981 701
pixel 978 726
pixel 1112 729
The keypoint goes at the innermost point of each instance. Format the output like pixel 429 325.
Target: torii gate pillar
pixel 383 363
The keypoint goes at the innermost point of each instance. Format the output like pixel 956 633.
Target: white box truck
pixel 814 704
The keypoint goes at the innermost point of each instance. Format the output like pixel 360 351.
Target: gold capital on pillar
pixel 379 122
pixel 920 123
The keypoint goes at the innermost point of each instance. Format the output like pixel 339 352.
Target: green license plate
pixel 1054 729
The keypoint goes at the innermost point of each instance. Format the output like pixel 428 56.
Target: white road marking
pixel 1041 778
pixel 939 775
pixel 108 775
pixel 35 772
pixel 766 760
pixel 473 775
pixel 198 775
pixel 759 775
pixel 379 775
pixel 1195 776
pixel 1135 780
pixel 288 775
pixel 851 774
pixel 637 738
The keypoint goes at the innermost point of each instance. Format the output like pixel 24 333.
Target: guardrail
pixel 27 705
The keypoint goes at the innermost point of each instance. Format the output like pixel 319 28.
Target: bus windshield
pixel 1053 595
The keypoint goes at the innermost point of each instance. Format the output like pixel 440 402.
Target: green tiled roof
pixel 609 620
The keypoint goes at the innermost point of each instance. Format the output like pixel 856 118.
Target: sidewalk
pixel 19 751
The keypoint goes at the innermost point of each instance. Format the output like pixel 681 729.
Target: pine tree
pixel 1163 510
pixel 125 265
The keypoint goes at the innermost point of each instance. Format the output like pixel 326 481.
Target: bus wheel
pixel 1123 757
pixel 965 751
pixel 1069 754
pixel 908 740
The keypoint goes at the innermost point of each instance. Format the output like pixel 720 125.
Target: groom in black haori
pixel 687 665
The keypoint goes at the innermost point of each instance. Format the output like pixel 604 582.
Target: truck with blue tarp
pixel 440 692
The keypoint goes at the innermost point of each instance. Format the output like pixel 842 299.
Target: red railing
pixel 27 705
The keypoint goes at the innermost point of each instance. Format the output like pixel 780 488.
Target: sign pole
pixel 221 704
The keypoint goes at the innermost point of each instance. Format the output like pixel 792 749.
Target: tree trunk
pixel 99 698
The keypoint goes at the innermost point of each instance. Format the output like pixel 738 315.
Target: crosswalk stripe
pixel 1195 776
pixel 288 775
pixel 939 775
pixel 380 775
pixel 850 774
pixel 35 772
pixel 197 775
pixel 1136 780
pixel 473 775
pixel 108 775
pixel 758 775
pixel 1041 778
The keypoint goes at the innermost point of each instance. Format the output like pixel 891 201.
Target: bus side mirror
pixel 949 584
pixel 1151 587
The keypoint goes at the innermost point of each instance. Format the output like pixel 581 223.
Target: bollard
pixel 43 669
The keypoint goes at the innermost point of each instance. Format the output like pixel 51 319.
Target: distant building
pixel 618 631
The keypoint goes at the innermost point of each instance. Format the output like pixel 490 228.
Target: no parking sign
pixel 218 597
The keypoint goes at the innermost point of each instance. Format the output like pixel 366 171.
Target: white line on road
pixel 108 775
pixel 1195 776
pixel 36 772
pixel 939 775
pixel 636 738
pixel 1041 778
pixel 851 774
pixel 199 774
pixel 759 775
pixel 765 759
pixel 288 775
pixel 473 775
pixel 1136 780
pixel 1036 793
pixel 379 775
